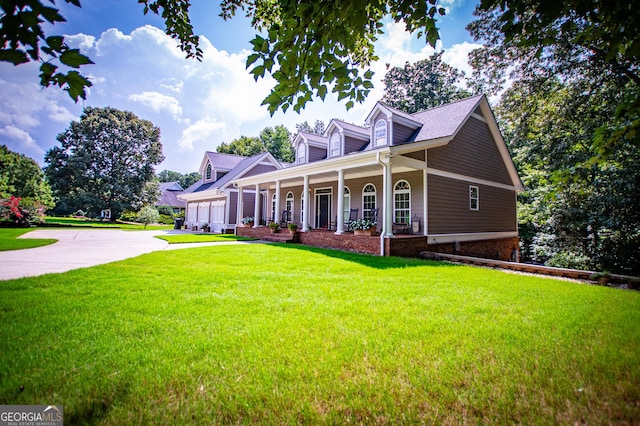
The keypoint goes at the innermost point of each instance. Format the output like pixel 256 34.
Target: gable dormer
pixel 345 138
pixel 389 126
pixel 215 165
pixel 310 147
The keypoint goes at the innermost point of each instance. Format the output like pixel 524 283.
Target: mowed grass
pixel 202 238
pixel 274 334
pixel 9 239
pixel 96 223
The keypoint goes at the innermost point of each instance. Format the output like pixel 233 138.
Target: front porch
pixel 399 245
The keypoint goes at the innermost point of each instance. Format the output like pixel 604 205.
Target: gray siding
pixel 401 133
pixel 352 144
pixel 316 154
pixel 472 152
pixel 449 208
pixel 260 168
pixel 233 208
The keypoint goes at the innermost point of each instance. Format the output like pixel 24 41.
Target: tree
pixel 22 177
pixel 307 47
pixel 148 214
pixel 573 40
pixel 185 181
pixel 24 193
pixel 276 140
pixel 105 162
pixel 425 84
pixel 317 129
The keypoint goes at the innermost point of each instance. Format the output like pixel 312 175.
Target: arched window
pixel 335 144
pixel 402 202
pixel 380 135
pixel 208 173
pixel 289 205
pixel 347 204
pixel 302 154
pixel 368 200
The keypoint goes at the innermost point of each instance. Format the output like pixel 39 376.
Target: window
pixel 289 204
pixel 302 154
pixel 474 198
pixel 208 173
pixel 335 144
pixel 368 200
pixel 402 202
pixel 380 135
pixel 347 205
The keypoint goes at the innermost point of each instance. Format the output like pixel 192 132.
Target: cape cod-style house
pixel 440 179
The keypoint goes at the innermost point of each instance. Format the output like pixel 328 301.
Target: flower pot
pixel 366 232
pixel 248 225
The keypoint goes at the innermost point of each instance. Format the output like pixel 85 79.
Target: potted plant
pixel 248 221
pixel 274 227
pixel 362 226
pixel 293 228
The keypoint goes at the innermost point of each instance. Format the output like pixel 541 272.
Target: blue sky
pixel 196 105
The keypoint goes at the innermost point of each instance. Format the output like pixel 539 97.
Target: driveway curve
pixel 77 249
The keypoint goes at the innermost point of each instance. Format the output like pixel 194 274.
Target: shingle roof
pixel 223 161
pixel 352 127
pixel 240 167
pixel 445 120
pixel 169 192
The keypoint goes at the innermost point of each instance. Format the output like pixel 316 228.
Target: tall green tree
pixel 424 84
pixel 22 177
pixel 308 48
pixel 185 180
pixel 317 129
pixel 276 140
pixel 104 162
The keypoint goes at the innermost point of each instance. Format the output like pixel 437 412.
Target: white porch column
pixel 340 224
pixel 239 213
pixel 425 213
pixel 256 207
pixel 387 199
pixel 307 205
pixel 276 211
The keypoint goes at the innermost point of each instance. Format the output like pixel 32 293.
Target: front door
pixel 217 216
pixel 323 208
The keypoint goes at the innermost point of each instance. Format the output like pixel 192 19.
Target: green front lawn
pixel 96 223
pixel 9 239
pixel 288 334
pixel 202 238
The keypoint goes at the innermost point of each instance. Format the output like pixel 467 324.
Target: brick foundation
pixel 402 246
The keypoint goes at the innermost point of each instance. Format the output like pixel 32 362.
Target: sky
pixel 196 105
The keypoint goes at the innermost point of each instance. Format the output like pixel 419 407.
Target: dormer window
pixel 208 172
pixel 380 133
pixel 302 154
pixel 335 144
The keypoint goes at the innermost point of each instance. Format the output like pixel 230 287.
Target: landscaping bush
pixel 20 212
pixel 129 216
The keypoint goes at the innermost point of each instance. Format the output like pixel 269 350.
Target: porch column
pixel 307 205
pixel 387 199
pixel 340 224
pixel 425 213
pixel 240 206
pixel 256 207
pixel 276 211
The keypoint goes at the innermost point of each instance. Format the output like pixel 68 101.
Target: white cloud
pixel 23 139
pixel 81 41
pixel 458 56
pixel 200 131
pixel 158 102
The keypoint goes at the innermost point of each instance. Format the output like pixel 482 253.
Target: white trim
pixel 316 219
pixel 451 238
pixel 456 176
pixel 477 198
pixel 479 117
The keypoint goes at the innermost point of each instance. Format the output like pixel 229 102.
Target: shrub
pixel 129 216
pixel 21 211
pixel 147 215
pixel 165 210
pixel 165 219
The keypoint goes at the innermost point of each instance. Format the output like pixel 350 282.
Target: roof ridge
pixel 447 104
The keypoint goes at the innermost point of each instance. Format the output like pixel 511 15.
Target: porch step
pixel 280 238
